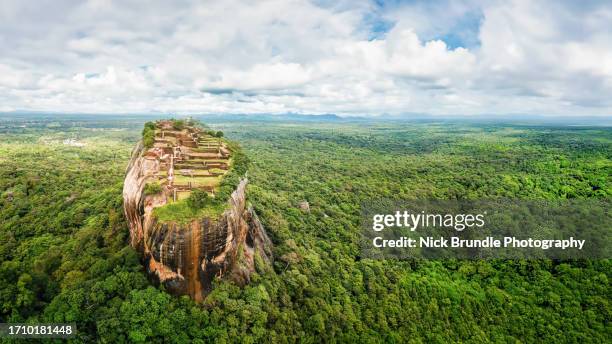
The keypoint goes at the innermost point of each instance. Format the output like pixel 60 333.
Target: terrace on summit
pixel 184 158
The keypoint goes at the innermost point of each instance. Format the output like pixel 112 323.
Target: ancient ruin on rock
pixel 185 246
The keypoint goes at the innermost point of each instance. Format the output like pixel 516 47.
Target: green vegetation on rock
pixel 185 210
pixel 178 124
pixel 198 199
pixel 152 189
pixel 148 134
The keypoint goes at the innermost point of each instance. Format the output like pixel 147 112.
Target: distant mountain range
pixel 526 119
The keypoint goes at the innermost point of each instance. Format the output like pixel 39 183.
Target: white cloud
pixel 14 78
pixel 262 77
pixel 409 57
pixel 279 56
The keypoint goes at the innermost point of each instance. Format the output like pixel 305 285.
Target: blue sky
pixel 457 30
pixel 345 57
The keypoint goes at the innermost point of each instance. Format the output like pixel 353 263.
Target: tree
pixel 197 199
pixel 149 126
pixel 148 140
pixel 148 135
pixel 178 124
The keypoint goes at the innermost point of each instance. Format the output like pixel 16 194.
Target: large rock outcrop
pixel 187 256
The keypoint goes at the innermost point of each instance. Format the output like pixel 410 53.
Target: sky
pixel 367 58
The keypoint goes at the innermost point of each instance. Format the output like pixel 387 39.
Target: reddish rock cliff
pixel 186 257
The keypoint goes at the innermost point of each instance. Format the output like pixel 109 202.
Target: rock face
pixel 186 257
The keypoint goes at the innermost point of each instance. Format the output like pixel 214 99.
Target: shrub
pixel 178 124
pixel 240 166
pixel 152 189
pixel 197 199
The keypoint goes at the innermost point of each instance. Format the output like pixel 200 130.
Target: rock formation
pixel 187 255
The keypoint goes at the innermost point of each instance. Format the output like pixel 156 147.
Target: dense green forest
pixel 65 256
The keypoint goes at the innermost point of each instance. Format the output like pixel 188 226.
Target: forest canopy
pixel 65 257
